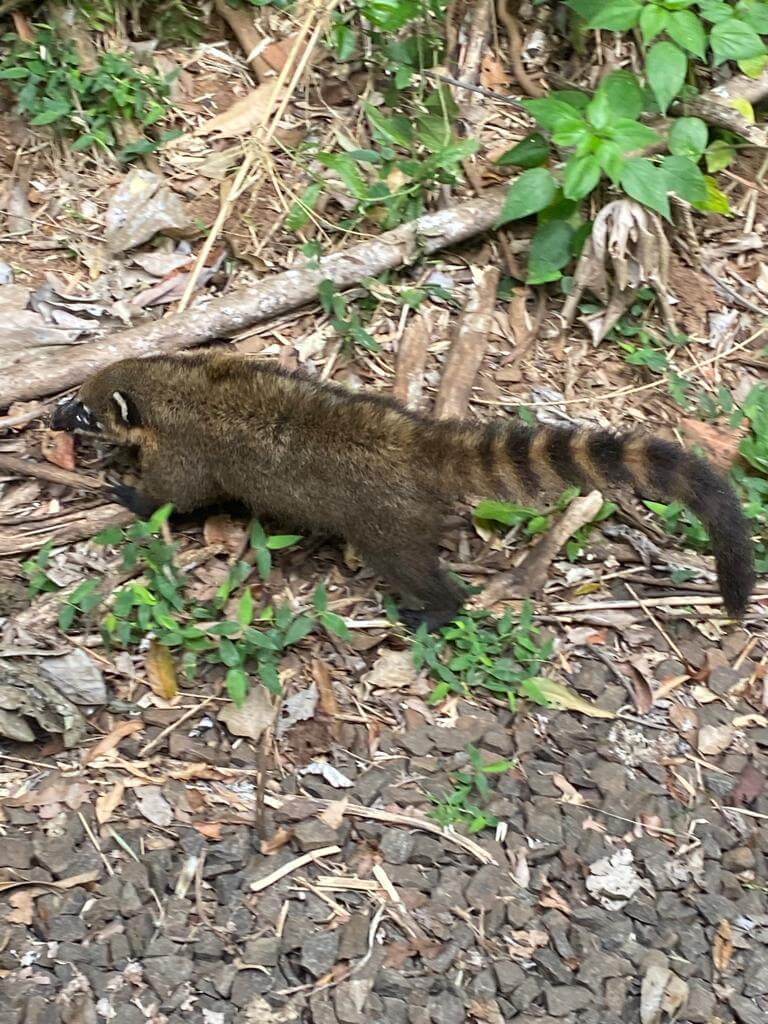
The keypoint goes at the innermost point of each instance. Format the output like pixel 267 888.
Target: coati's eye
pixel 125 409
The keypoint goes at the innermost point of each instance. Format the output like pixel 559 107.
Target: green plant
pixel 534 522
pixel 250 643
pixel 52 89
pixel 502 655
pixel 470 789
pixel 344 320
pixel 38 580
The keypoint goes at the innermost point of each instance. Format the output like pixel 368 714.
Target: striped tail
pixel 511 460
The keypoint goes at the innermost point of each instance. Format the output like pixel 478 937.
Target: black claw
pixel 433 618
pixel 132 499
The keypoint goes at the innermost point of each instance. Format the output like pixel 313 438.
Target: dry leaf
pixel 153 805
pixel 613 880
pixel 721 444
pixel 685 720
pixel 393 670
pixel 570 795
pixel 744 721
pixel 112 739
pixel 552 899
pixel 23 903
pixel 209 829
pixel 108 802
pixel 749 786
pixel 519 868
pixel 714 739
pixel 281 838
pixel 299 707
pixel 244 114
pixel 722 947
pixel 58 448
pixel 492 73
pixel 330 774
pixel 226 532
pixel 322 678
pixel 251 719
pixel 161 671
pixel 565 699
pixel 333 815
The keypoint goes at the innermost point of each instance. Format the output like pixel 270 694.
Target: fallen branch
pixel 271 297
pixel 44 471
pixel 531 575
pixel 468 348
pixel 241 22
pixel 524 80
pixel 411 361
pixel 91 522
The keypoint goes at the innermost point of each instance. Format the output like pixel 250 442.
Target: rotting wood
pixel 96 520
pixel 468 348
pixel 411 361
pixel 274 295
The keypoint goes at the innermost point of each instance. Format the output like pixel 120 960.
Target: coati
pixel 214 425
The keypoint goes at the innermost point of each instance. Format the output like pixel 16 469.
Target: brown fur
pixel 215 425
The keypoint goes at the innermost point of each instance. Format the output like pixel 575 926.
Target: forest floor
pixel 167 857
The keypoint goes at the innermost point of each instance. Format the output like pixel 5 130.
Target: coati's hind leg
pixel 413 569
pixel 167 477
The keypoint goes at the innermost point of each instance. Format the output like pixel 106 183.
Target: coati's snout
pixel 73 415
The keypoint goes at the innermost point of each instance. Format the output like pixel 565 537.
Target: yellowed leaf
pixel 112 739
pixel 107 803
pixel 564 698
pixel 161 671
pixel 722 946
pixel 744 107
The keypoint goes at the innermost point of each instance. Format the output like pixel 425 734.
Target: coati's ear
pixel 125 409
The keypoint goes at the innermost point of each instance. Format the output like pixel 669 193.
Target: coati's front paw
pixel 433 618
pixel 132 499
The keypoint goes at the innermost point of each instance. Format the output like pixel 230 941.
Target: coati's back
pixel 222 425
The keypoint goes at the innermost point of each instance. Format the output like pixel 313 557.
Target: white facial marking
pixel 122 404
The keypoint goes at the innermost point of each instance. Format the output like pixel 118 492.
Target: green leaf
pixel 52 113
pixel 320 598
pixel 647 183
pixel 282 540
pixel 301 626
pixel 687 30
pixel 754 13
pixel 629 135
pixel 229 653
pixel 753 67
pixel 611 157
pixel 688 137
pixel 160 517
pixel 531 192
pixel 245 608
pixel 263 562
pixel 336 625
pixel 396 130
pixel 599 110
pixel 550 251
pixel 624 94
pixel 257 537
pixel 300 210
pixel 498 512
pixel 237 685
pixel 666 66
pixel 719 154
pixel 269 676
pixel 685 179
pixel 653 21
pixel 67 614
pixel 347 170
pixel 570 130
pixel 344 41
pixel 732 40
pixel 112 535
pixel 531 152
pixel 548 111
pixel 582 173
pixel 617 15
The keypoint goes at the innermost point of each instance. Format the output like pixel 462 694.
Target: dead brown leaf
pixel 552 899
pixel 570 794
pixel 107 803
pixel 714 739
pixel 209 829
pixel 244 114
pixel 153 805
pixel 112 739
pixel 23 903
pixel 333 815
pixel 256 714
pixel 493 74
pixel 58 448
pixel 721 444
pixel 226 532
pixel 685 720
pixel 161 671
pixel 722 947
pixel 322 678
pixel 393 670
pixel 749 786
pixel 281 838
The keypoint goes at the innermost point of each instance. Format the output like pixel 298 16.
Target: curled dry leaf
pixel 58 448
pixel 112 739
pixel 107 803
pixel 161 671
pixel 722 947
pixel 153 805
pixel 570 794
pixel 393 670
pixel 244 114
pixel 253 717
pixel 714 739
